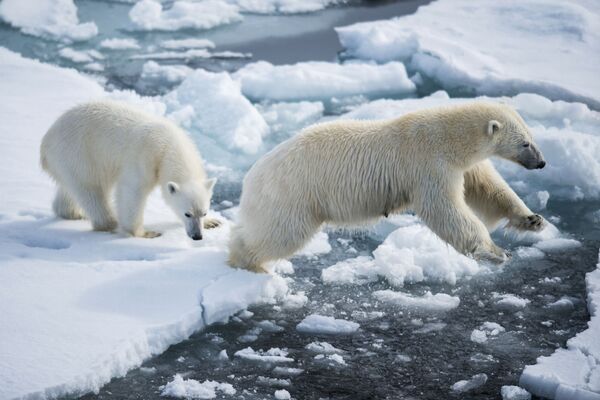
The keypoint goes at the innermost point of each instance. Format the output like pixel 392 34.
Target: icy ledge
pixel 79 307
pixel 550 47
pixel 572 373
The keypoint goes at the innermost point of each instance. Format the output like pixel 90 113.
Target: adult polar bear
pixel 353 172
pixel 95 146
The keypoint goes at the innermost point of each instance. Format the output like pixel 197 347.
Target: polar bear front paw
pixel 533 222
pixel 496 255
pixel 150 234
pixel 210 223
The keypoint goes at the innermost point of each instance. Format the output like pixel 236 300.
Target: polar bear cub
pixel 351 173
pixel 96 147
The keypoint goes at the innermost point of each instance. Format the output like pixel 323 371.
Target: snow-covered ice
pixel 487 48
pixel 572 373
pixel 274 355
pixel 510 301
pixel 193 389
pixel 51 19
pixel 485 331
pixel 283 6
pixel 154 72
pixel 315 323
pixel 317 80
pixel 427 302
pixel 120 44
pixel 193 43
pixel 282 394
pixel 150 15
pixel 514 393
pixel 83 307
pixel 470 384
pixel 322 348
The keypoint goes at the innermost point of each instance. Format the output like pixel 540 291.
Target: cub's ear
pixel 494 127
pixel 210 184
pixel 173 187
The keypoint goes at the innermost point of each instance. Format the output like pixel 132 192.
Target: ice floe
pixel 315 323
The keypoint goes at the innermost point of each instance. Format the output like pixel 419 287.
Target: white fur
pixel 96 147
pixel 353 172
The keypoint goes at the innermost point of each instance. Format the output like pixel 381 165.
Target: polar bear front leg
pixel 488 194
pixel 447 214
pixel 131 195
pixel 93 199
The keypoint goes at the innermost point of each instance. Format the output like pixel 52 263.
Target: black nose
pixel 542 164
pixel 197 237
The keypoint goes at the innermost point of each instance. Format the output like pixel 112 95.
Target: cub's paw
pixel 533 222
pixel 150 234
pixel 210 223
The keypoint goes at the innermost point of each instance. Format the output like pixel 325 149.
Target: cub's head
pixel 190 201
pixel 511 138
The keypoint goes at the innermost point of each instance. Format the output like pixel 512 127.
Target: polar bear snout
pixel 193 228
pixel 531 158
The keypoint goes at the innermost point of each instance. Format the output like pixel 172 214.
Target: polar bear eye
pixel 187 214
pixel 526 145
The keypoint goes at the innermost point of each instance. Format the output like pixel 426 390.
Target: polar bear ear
pixel 494 127
pixel 173 187
pixel 210 184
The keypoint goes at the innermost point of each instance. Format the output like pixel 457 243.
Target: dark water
pixel 373 369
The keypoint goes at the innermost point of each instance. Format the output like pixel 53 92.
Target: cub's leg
pixel 94 200
pixel 444 210
pixel 488 194
pixel 64 206
pixel 131 194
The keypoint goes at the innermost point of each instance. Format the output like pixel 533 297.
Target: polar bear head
pixel 512 140
pixel 190 201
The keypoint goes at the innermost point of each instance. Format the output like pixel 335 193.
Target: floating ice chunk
pixel 150 15
pixel 428 302
pixel 287 371
pixel 431 327
pixel 283 6
pixel 317 80
pixel 337 359
pixel 120 44
pixel 530 253
pixel 148 370
pixel 328 325
pixel 487 49
pixel 319 244
pixel 269 326
pixel 51 19
pixel 190 43
pixel 220 112
pixel 403 358
pixel 294 301
pixel 514 393
pixel 563 304
pixel 285 119
pixel 322 348
pixel 75 56
pixel 538 201
pixel 174 55
pixel 276 382
pixel 274 355
pixel 223 355
pixel 473 383
pixel 154 72
pixel 486 330
pixel 557 244
pixel 193 389
pixel 510 301
pixel 282 395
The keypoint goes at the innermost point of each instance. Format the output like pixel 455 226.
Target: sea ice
pixel 156 73
pixel 274 355
pixel 514 393
pixel 427 302
pixel 315 323
pixel 193 389
pixel 282 394
pixel 473 383
pixel 120 44
pixel 317 80
pixel 51 19
pixel 191 43
pixel 150 15
pixel 486 48
pixel 283 6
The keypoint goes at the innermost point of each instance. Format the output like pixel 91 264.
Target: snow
pixel 82 307
pixel 202 100
pixel 274 355
pixel 191 43
pixel 487 48
pixel 282 395
pixel 120 44
pixel 154 72
pixel 50 19
pixel 150 15
pixel 317 80
pixel 283 6
pixel 427 302
pixel 192 389
pixel 315 323
pixel 514 393
pixel 571 373
pixel 411 253
pixel 473 383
